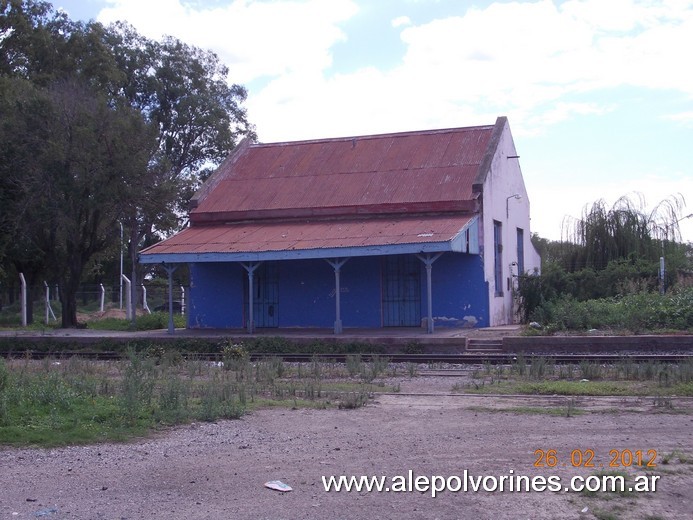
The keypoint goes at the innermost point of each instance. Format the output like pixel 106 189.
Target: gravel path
pixel 218 471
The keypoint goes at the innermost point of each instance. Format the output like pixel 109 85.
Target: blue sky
pixel 598 93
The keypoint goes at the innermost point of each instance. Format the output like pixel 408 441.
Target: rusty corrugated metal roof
pixel 337 196
pixel 400 170
pixel 255 237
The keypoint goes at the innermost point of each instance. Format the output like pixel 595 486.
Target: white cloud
pixel 684 118
pixel 401 21
pixel 255 39
pixel 538 62
pixel 523 59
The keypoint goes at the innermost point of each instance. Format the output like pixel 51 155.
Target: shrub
pixel 633 312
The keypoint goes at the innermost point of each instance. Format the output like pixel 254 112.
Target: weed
pixel 571 407
pixel 590 370
pixel 137 386
pixel 662 401
pixel 519 365
pixel 601 514
pixel 353 400
pixel 413 347
pixel 675 454
pixel 538 367
pixel 354 364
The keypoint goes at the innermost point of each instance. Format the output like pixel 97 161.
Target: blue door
pixel 401 291
pixel 265 295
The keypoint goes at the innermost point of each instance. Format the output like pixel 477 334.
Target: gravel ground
pixel 218 470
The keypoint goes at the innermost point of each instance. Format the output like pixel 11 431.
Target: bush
pixel 633 312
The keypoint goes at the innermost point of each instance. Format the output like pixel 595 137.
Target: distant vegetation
pixel 605 273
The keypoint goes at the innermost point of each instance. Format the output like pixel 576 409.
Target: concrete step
pixel 484 345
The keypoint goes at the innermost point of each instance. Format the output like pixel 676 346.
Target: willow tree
pixel 625 230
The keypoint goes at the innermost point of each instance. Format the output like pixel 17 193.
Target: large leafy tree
pixel 71 187
pixel 183 91
pixel 154 118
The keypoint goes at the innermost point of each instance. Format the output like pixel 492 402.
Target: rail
pixel 450 359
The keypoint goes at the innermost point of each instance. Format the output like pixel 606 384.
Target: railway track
pixel 428 359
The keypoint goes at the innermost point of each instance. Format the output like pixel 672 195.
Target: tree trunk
pixel 132 250
pixel 68 295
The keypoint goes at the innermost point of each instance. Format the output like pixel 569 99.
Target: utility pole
pixel 662 267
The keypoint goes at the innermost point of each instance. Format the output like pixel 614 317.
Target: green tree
pixel 161 109
pixel 609 252
pixel 184 92
pixel 75 182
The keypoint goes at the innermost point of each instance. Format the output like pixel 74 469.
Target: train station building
pixel 414 229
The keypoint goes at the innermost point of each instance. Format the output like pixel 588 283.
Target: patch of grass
pixel 529 410
pixel 613 478
pixel 153 321
pixel 676 455
pixel 81 420
pixel 353 400
pixel 580 388
pixel 601 514
pixel 51 403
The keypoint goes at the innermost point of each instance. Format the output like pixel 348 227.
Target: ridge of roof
pixel 431 131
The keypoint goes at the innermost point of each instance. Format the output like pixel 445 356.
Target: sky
pixel 598 93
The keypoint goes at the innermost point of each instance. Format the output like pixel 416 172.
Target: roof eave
pixel 454 244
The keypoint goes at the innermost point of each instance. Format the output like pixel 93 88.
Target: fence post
pixel 144 299
pixel 103 296
pixel 23 298
pixel 49 309
pixel 128 307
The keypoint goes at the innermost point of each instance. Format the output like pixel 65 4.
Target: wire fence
pixel 93 302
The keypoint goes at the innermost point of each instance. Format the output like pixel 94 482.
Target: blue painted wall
pixel 460 295
pixel 306 293
pixel 216 295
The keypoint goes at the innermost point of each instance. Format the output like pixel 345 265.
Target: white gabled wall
pixel 502 182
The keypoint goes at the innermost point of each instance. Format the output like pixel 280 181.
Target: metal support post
pixel 428 262
pixel 170 269
pixel 337 266
pixel 250 268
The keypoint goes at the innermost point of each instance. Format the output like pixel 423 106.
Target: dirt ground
pixel 218 470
